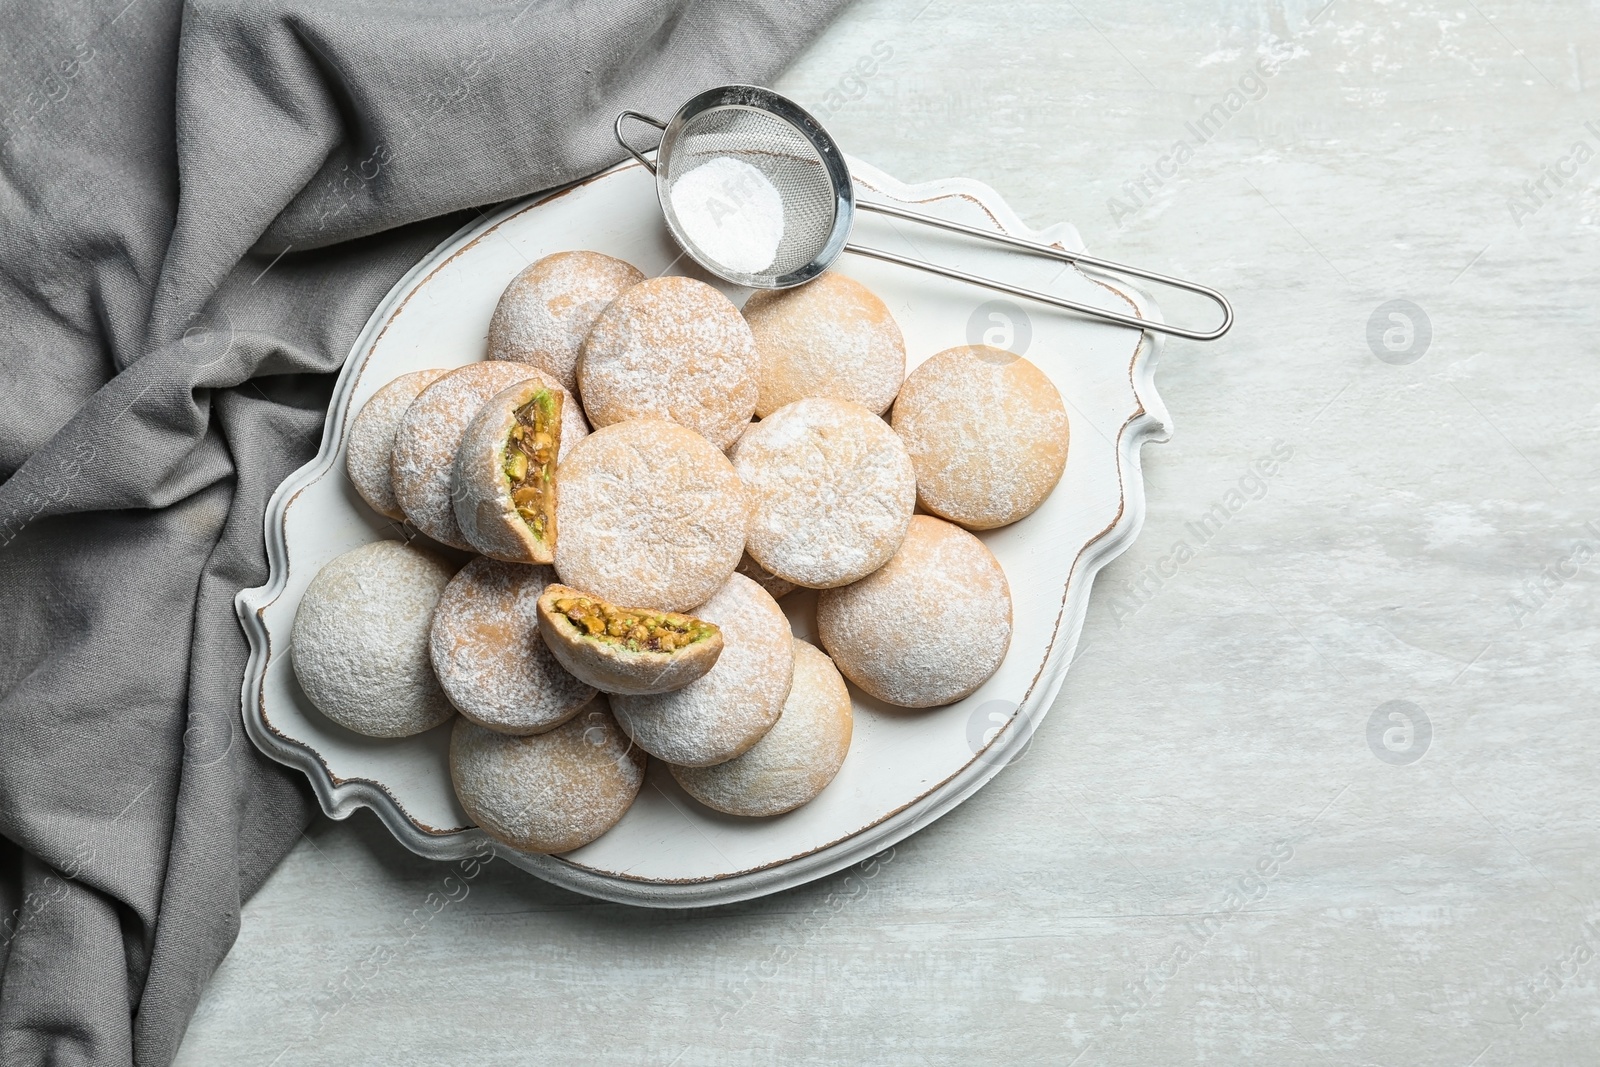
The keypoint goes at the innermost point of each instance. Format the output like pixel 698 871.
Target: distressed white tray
pixel 905 768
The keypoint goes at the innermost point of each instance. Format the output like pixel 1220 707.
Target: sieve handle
pixel 1052 252
pixel 616 130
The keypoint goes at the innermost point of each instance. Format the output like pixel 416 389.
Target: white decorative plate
pixel 905 768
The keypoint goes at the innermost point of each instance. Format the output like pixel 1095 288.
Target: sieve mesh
pixel 784 156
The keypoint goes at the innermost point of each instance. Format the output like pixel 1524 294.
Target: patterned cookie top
pixel 724 713
pixel 831 491
pixel 987 434
pixel 549 308
pixel 796 759
pixel 487 652
pixel 829 337
pixel 671 348
pixel 929 627
pixel 648 513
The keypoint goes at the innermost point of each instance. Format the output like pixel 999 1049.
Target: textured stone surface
pixel 1423 912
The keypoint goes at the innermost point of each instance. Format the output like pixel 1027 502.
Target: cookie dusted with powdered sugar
pixel 649 513
pixel 549 308
pixel 987 434
pixel 724 713
pixel 671 348
pixel 550 792
pixel 371 447
pixel 360 640
pixel 829 337
pixel 796 759
pixel 929 627
pixel 489 657
pixel 831 491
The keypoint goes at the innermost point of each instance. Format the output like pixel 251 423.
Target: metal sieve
pixel 798 158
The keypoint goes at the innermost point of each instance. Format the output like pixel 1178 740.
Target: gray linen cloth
pixel 200 204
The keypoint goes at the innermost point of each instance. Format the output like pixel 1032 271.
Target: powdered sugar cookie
pixel 724 713
pixel 429 436
pixel 503 481
pixel 550 792
pixel 548 309
pixel 829 337
pixel 929 627
pixel 360 640
pixel 371 445
pixel 487 652
pixel 671 348
pixel 650 513
pixel 796 759
pixel 987 434
pixel 831 491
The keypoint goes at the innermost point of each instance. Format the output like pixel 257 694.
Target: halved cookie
pixel 717 717
pixel 634 651
pixel 504 483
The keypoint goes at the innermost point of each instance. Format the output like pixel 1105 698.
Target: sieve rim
pixel 759 98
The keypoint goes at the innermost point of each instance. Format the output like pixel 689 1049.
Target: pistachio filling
pixel 530 462
pixel 637 631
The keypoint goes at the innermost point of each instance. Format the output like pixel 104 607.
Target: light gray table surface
pixel 1221 847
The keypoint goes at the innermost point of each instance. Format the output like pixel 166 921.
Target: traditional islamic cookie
pixel 550 792
pixel 547 310
pixel 987 433
pixel 636 651
pixel 429 436
pixel 796 759
pixel 489 656
pixel 671 348
pixel 775 586
pixel 360 640
pixel 726 712
pixel 831 491
pixel 829 337
pixel 367 456
pixel 929 627
pixel 503 483
pixel 649 513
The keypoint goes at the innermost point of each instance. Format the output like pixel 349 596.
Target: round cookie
pixel 489 657
pixel 550 792
pixel 548 309
pixel 371 444
pixel 796 759
pixel 535 423
pixel 928 628
pixel 671 348
pixel 723 714
pixel 987 434
pixel 831 491
pixel 829 337
pixel 360 640
pixel 649 513
pixel 429 436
